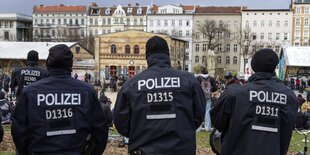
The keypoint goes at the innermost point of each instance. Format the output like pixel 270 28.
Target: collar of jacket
pixel 32 63
pixel 59 72
pixel 261 76
pixel 158 60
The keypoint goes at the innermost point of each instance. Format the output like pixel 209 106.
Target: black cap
pixel 228 75
pixel 33 56
pixel 60 56
pixel 203 70
pixel 264 60
pixel 156 44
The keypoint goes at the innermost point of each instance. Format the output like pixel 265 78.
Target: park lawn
pixel 202 139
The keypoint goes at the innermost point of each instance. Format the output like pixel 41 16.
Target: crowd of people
pixel 159 110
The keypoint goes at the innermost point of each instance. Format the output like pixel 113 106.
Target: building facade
pixel 270 28
pixel 15 27
pixel 105 20
pixel 176 21
pixel 300 23
pixel 123 53
pixel 226 54
pixel 59 23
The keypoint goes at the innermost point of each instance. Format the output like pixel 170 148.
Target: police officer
pixel 21 77
pixel 256 118
pixel 160 108
pixel 59 114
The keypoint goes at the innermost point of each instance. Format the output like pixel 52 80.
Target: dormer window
pixel 129 10
pixel 95 12
pixel 139 11
pixel 107 11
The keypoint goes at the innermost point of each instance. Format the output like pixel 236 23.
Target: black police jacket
pixel 256 118
pixel 160 109
pixel 59 114
pixel 21 77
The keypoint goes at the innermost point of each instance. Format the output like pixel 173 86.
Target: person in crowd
pixel 76 75
pixel 231 79
pixel 297 84
pixel 300 100
pixel 105 104
pixel 256 118
pixel 21 77
pixel 6 109
pixel 160 108
pixel 208 85
pixel 59 114
pixel 292 83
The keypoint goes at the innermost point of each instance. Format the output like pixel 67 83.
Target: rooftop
pixel 59 8
pixel 218 10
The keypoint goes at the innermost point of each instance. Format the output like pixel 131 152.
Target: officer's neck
pixel 59 71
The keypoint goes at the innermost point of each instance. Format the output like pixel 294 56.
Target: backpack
pixel 206 87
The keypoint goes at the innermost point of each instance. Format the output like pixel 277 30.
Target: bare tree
pixel 212 34
pixel 88 42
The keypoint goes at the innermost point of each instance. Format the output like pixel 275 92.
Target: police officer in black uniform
pixel 160 108
pixel 59 114
pixel 21 77
pixel 256 118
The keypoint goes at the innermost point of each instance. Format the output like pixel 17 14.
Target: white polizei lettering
pixel 67 97
pixel 259 96
pixel 252 95
pixel 148 81
pixel 158 85
pixel 270 97
pixel 40 98
pixel 52 98
pixel 56 99
pixel 258 109
pixel 75 99
pixel 140 84
pixel 149 97
pixel 30 72
pixel 167 82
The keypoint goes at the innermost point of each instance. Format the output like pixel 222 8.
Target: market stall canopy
pixel 19 50
pixel 296 56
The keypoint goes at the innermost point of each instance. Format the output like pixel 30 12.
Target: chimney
pixel 94 4
pixel 129 4
pixel 137 4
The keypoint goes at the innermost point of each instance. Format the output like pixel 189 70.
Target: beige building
pixel 301 26
pixel 227 52
pixel 123 53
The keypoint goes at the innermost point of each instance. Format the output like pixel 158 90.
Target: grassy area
pixel 202 138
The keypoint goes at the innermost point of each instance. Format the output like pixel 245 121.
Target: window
pixel 187 23
pixel 113 49
pixel 306 34
pixel 204 47
pixel 82 33
pixel 53 33
pixel 141 21
pixel 236 24
pixel 107 11
pixel 180 22
pixel 269 36
pixel 262 36
pixel 59 22
pixel 227 60
pixel 197 47
pixel 286 24
pixel 11 24
pixel 228 48
pixel 278 23
pixel 277 49
pixel 151 22
pixel 262 24
pixel 219 48
pixel 82 21
pixel 186 56
pixel 53 21
pixel 298 10
pixel 173 22
pixel 253 49
pixel 306 22
pixel 187 45
pixel 158 22
pixel 277 36
pixel 247 24
pixel 305 44
pixel 127 49
pixel 204 60
pixel 6 35
pixel 296 44
pixel 90 32
pixel 254 36
pixel 219 59
pixel 270 23
pixel 254 24
pixel 228 24
pixel 235 60
pixel 109 21
pixel 90 21
pixel 297 34
pixel 135 22
pixel 297 22
pixel 285 36
pixel 196 59
pixel 235 47
pixel 306 10
pixel 221 23
pixel 180 33
pixel 136 49
pixel 96 32
pixel 166 22
pixel 197 35
pixel 187 33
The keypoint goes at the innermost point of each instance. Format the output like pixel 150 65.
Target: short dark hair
pixel 204 70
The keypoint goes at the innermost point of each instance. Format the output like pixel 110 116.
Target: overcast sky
pixel 25 6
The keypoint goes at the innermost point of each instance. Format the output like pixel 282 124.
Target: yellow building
pixel 301 25
pixel 123 53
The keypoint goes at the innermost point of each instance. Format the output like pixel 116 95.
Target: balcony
pixel 122 56
pixel 44 25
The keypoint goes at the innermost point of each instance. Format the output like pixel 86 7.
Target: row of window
pixel 60 21
pixel 227 35
pixel 218 60
pixel 305 23
pixel 108 21
pixel 6 24
pixel 278 36
pixel 221 23
pixel 58 15
pixel 263 23
pixel 219 48
pixel 169 22
pixel 264 13
pixel 118 12
pixel 113 49
pixel 299 10
pixel 298 34
pixel 60 33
